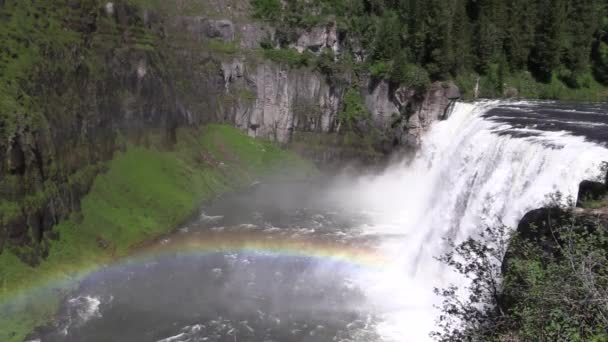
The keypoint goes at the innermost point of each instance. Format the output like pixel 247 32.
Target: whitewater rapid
pixel 470 172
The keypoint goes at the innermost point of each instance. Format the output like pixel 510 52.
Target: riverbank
pixel 145 192
pixel 522 85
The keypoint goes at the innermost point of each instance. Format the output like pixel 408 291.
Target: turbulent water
pixel 489 162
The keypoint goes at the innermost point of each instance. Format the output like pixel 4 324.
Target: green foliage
pixel 595 204
pixel 388 41
pixel 289 57
pixel 247 95
pixel 326 63
pixel 221 47
pixel 20 57
pixel 381 69
pixel 185 7
pixel 562 43
pixel 600 53
pixel 354 114
pixel 412 76
pixel 545 283
pixel 267 9
pixel 145 192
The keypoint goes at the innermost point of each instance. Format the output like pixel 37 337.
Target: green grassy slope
pixel 144 193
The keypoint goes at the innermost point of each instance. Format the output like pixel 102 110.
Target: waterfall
pixel 470 172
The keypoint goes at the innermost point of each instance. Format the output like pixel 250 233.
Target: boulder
pixel 452 91
pixel 590 191
pixel 511 92
pixel 536 224
pixel 220 29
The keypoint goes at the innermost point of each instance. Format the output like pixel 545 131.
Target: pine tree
pixel 439 21
pixel 545 55
pixel 418 28
pixel 387 44
pixel 460 42
pixel 519 36
pixel 582 18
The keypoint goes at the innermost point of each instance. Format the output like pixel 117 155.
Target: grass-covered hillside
pixel 144 192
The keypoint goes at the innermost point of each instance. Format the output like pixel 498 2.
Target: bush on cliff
pixel 552 284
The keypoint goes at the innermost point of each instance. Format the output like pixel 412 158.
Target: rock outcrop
pixel 591 191
pixel 542 226
pixel 273 100
pixel 389 106
pixel 288 100
pixel 318 38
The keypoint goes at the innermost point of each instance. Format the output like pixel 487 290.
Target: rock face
pixel 274 101
pixel 318 38
pixel 381 104
pixel 287 101
pixel 253 34
pixel 387 106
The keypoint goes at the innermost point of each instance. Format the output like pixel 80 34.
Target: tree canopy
pixel 564 39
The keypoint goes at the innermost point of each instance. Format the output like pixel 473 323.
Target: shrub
pixel 411 75
pixel 219 46
pixel 289 57
pixel 381 69
pixel 267 9
pixel 552 284
pixel 326 63
pixel 354 111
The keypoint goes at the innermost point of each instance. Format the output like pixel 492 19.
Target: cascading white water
pixel 466 176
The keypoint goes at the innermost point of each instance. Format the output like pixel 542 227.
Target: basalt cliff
pixel 122 73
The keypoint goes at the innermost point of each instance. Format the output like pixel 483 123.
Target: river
pixel 345 259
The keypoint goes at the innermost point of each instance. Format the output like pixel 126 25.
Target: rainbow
pixel 263 244
pixel 321 251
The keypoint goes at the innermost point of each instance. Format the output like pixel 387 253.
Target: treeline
pixel 563 39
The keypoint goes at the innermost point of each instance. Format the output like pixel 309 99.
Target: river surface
pixel 345 259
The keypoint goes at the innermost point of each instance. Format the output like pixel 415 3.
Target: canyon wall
pixel 130 75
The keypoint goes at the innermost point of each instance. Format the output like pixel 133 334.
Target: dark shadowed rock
pixel 590 191
pixel 536 224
